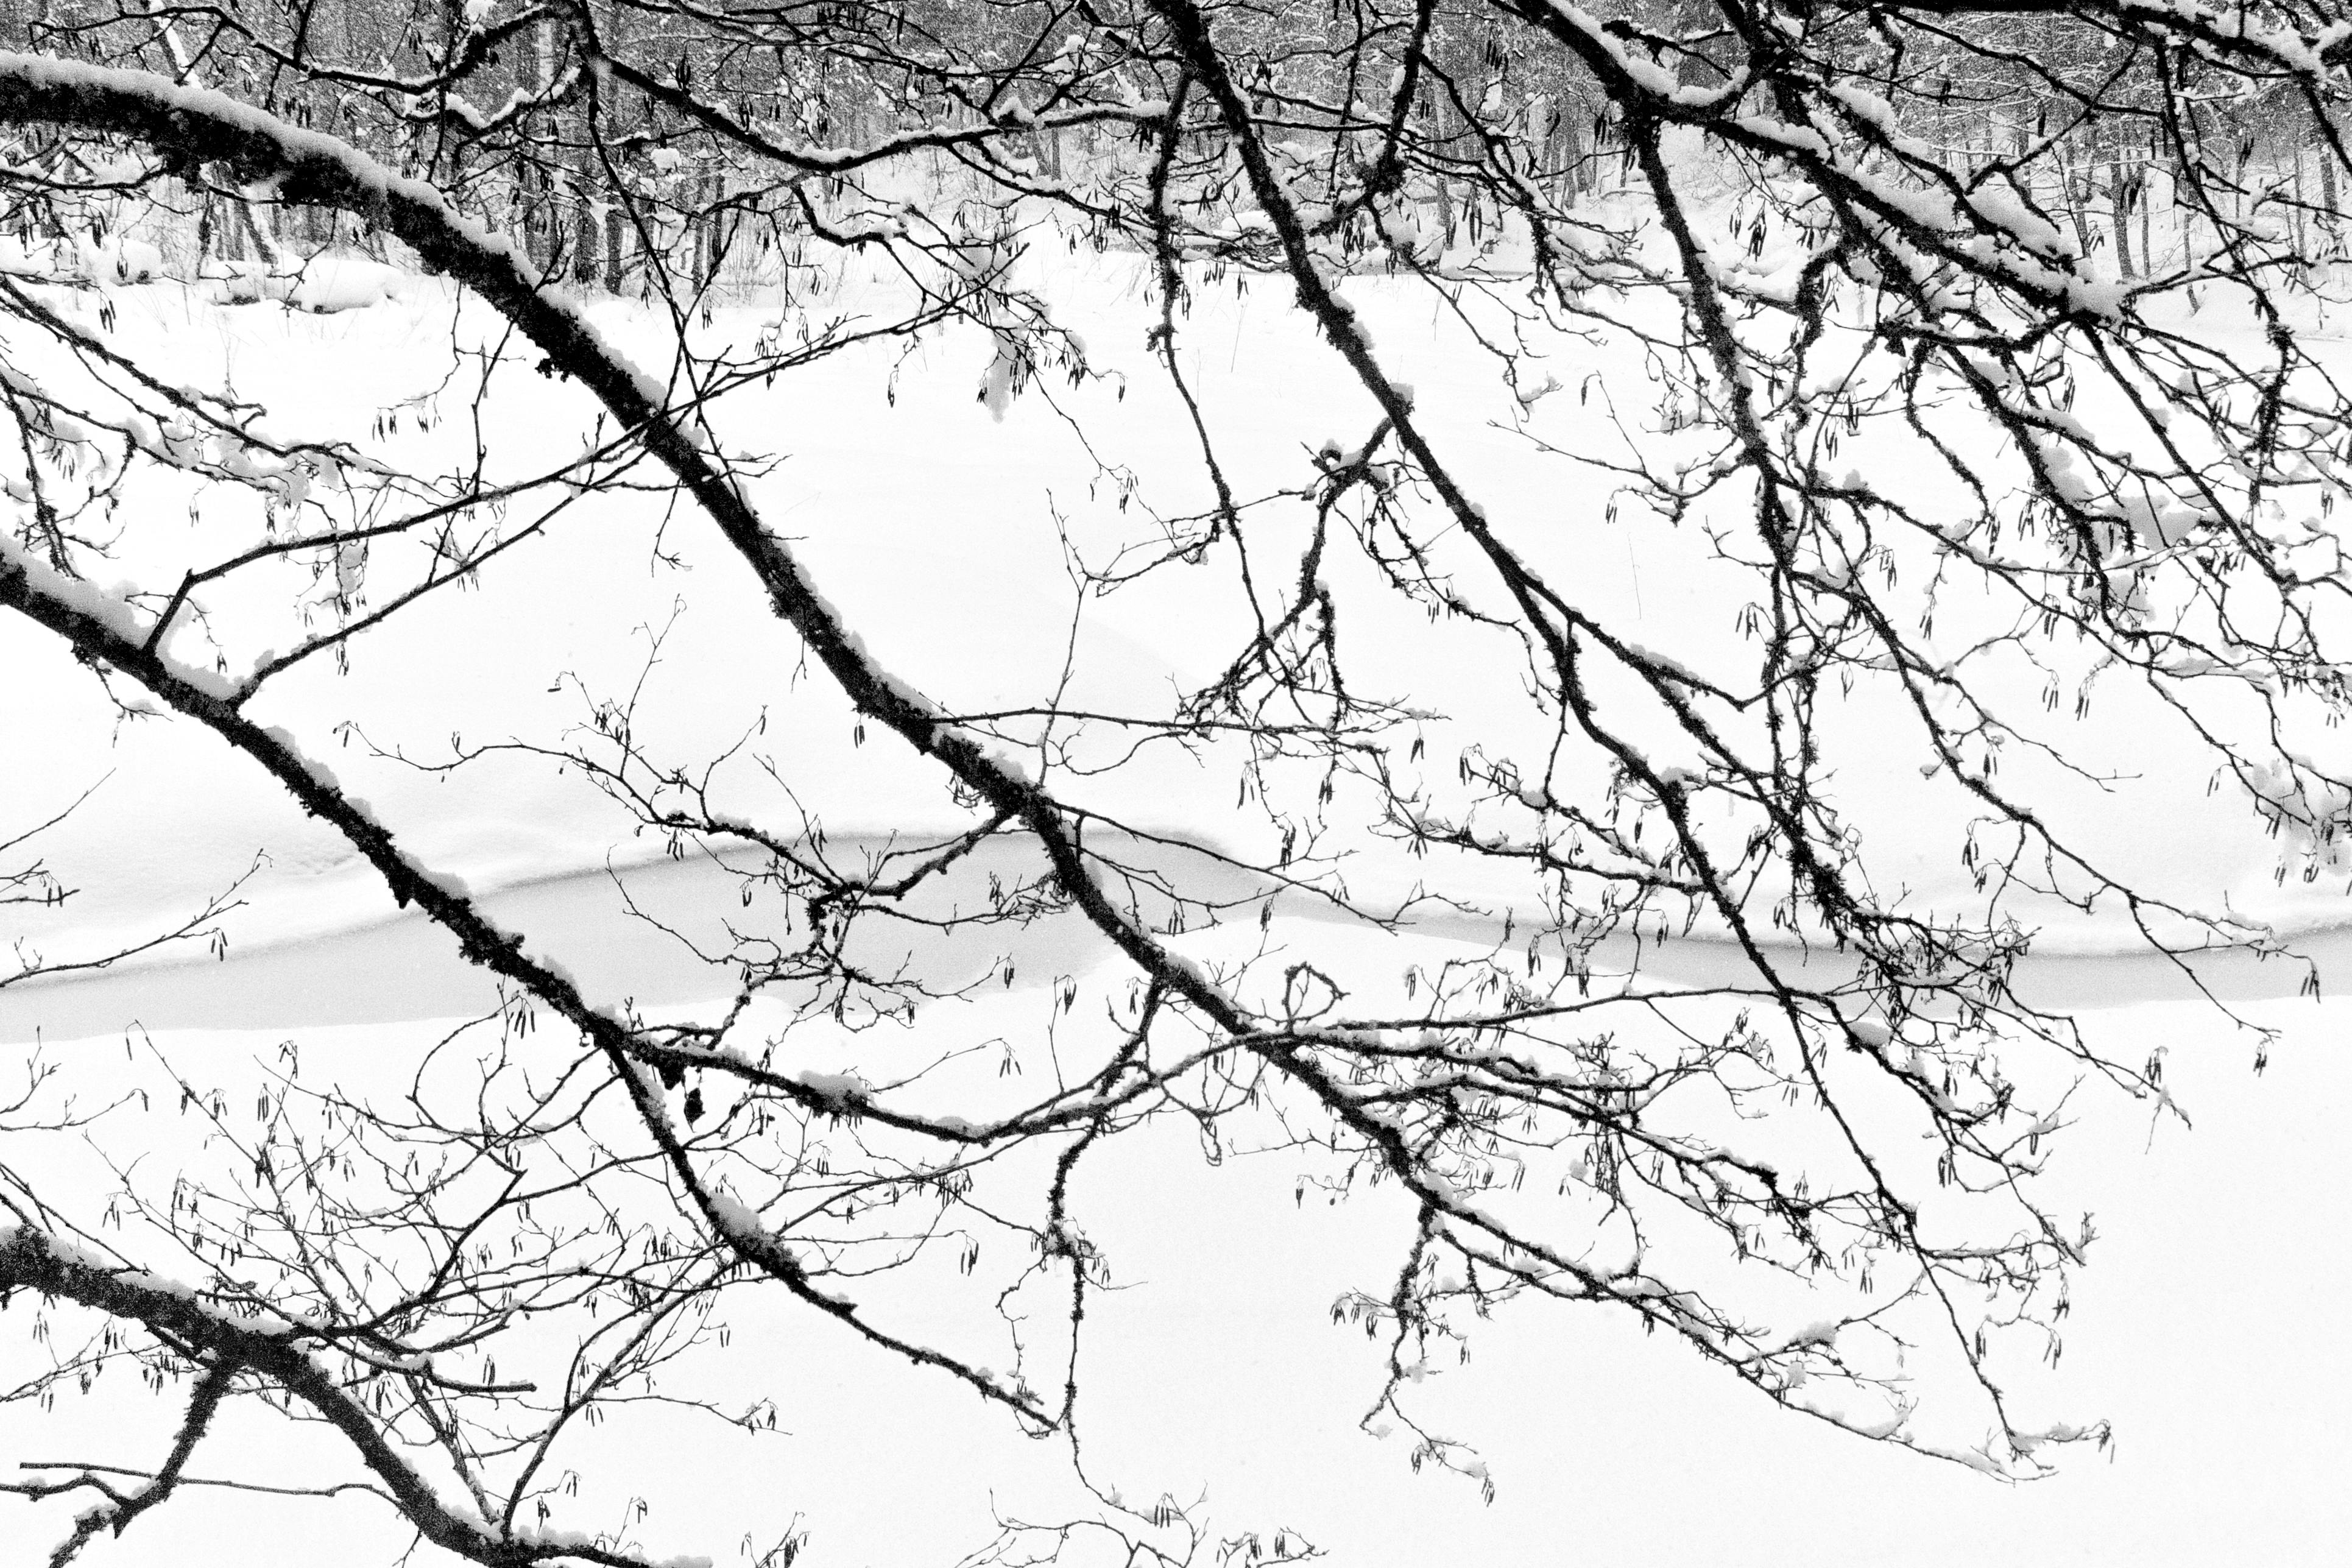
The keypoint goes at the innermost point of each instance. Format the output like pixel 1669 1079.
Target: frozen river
pixel 402 968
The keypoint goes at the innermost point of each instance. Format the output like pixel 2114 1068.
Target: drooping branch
pixel 121 1507
pixel 1409 1093
pixel 95 629
pixel 303 166
pixel 306 167
pixel 226 1347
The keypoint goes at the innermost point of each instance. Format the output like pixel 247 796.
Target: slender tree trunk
pixel 706 188
pixel 2122 192
pixel 542 230
pixel 2297 208
pixel 585 231
pixel 1440 136
pixel 2331 196
pixel 2075 196
pixel 619 114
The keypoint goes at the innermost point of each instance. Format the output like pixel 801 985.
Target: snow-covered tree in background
pixel 1950 356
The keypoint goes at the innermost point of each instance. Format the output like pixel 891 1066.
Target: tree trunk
pixel 541 232
pixel 2077 202
pixel 2146 255
pixel 585 231
pixel 616 114
pixel 2121 192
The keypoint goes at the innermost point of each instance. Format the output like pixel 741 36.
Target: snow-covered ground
pixel 940 532
pixel 2209 1326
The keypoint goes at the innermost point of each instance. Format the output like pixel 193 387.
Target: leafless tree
pixel 1852 244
